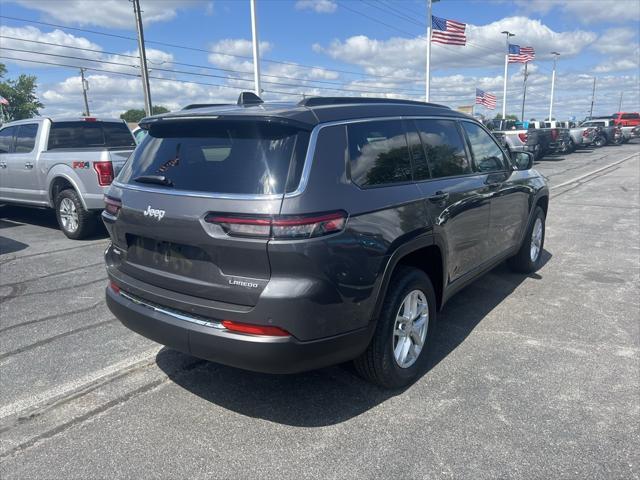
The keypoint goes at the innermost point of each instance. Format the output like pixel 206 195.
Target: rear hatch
pixel 183 174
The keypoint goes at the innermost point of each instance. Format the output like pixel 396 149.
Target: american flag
pixel 486 99
pixel 518 54
pixel 448 32
pixel 3 101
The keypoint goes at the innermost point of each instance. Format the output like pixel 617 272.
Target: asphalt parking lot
pixel 530 377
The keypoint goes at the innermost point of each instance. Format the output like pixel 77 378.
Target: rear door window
pixel 487 155
pixel 83 134
pixel 6 139
pixel 630 116
pixel 26 138
pixel 443 145
pixel 117 135
pixel 378 153
pixel 232 157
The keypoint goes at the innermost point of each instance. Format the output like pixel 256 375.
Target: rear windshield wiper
pixel 157 179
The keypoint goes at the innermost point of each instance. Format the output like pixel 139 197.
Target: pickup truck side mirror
pixel 522 160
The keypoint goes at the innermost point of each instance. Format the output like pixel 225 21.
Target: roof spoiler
pixel 249 98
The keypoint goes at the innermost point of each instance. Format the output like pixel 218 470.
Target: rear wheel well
pixel 429 260
pixel 59 184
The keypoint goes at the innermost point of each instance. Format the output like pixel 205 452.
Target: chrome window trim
pixel 306 169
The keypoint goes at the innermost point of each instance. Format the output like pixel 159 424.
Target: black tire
pixel 378 364
pixel 522 261
pixel 86 220
pixel 600 141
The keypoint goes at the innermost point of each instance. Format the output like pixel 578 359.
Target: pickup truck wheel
pixel 529 257
pixel 398 350
pixel 74 220
pixel 600 141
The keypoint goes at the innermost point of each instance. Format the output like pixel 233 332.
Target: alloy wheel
pixel 68 215
pixel 410 328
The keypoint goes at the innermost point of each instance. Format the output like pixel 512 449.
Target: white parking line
pixel 577 179
pixel 61 391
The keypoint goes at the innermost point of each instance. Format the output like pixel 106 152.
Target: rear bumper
pixel 249 352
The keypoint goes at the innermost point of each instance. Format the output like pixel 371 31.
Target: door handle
pixel 3 165
pixel 29 165
pixel 438 197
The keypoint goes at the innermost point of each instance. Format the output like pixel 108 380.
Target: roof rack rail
pixel 204 105
pixel 321 101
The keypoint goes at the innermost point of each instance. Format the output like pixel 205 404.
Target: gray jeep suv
pixel 286 237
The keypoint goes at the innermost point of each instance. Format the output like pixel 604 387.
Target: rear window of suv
pixel 83 134
pixel 221 156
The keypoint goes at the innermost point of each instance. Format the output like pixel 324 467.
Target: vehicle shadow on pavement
pixel 8 245
pixel 14 216
pixel 336 394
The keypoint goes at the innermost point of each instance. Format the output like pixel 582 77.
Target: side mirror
pixel 522 160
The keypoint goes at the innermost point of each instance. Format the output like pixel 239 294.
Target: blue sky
pixel 381 43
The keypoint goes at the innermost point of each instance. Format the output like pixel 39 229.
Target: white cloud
pixel 587 11
pixel 22 39
pixel 107 13
pixel 225 53
pixel 404 57
pixel 318 6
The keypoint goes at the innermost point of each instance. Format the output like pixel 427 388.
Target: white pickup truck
pixel 64 163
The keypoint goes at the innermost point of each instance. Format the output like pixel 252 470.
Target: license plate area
pixel 176 258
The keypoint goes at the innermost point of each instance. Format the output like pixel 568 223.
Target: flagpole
pixel 506 72
pixel 524 88
pixel 553 84
pixel 428 70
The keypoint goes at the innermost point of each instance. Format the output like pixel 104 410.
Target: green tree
pixel 134 115
pixel 509 117
pixel 21 95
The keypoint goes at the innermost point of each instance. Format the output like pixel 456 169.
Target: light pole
pixel 143 59
pixel 593 98
pixel 506 72
pixel 256 50
pixel 553 83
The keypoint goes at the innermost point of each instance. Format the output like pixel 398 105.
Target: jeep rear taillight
pixel 587 132
pixel 280 226
pixel 112 205
pixel 105 173
pixel 523 137
pixel 554 134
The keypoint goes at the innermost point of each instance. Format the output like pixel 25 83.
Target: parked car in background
pixel 287 237
pixel 554 139
pixel 65 164
pixel 629 133
pixel 515 137
pixel 607 132
pixel 578 136
pixel 625 119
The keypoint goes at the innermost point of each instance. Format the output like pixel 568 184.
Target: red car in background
pixel 625 119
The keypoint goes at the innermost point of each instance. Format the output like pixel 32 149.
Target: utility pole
pixel 256 49
pixel 620 102
pixel 143 59
pixel 593 97
pixel 85 87
pixel 506 72
pixel 553 83
pixel 524 88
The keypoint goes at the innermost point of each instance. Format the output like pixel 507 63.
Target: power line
pixel 186 64
pixel 184 72
pixel 196 49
